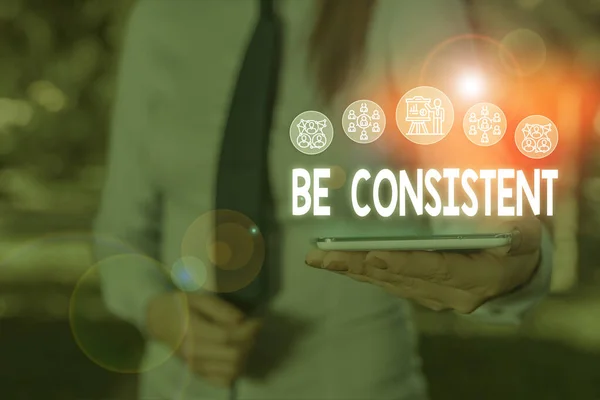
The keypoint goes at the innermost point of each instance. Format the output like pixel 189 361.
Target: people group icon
pixel 424 115
pixel 311 135
pixel 485 124
pixel 311 132
pixel 364 121
pixel 536 138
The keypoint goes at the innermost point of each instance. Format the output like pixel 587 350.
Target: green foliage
pixel 57 77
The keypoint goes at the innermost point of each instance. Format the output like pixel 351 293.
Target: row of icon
pixel 424 115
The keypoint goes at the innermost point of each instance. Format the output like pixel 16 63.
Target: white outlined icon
pixel 536 136
pixel 420 113
pixel 311 132
pixel 364 121
pixel 425 115
pixel 485 124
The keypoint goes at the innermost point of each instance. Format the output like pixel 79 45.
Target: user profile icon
pixel 485 124
pixel 536 137
pixel 425 115
pixel 364 121
pixel 311 132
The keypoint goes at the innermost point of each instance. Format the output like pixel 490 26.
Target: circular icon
pixel 425 115
pixel 485 124
pixel 311 132
pixel 536 136
pixel 364 121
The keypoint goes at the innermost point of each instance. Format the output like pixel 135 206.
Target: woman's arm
pixel 130 204
pixel 511 308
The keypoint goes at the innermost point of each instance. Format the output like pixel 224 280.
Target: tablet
pixel 473 242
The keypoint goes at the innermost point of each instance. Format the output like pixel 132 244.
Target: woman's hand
pixel 444 280
pixel 211 335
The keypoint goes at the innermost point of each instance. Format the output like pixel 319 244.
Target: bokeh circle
pixel 527 47
pixel 118 347
pixel 231 246
pixel 338 178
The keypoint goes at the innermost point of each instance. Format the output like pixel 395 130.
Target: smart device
pixel 458 242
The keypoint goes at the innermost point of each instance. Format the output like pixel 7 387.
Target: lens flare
pixel 471 84
pixel 229 244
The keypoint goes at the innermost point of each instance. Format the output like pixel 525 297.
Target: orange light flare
pixel 471 69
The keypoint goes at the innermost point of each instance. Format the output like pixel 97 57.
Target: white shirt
pixel 349 340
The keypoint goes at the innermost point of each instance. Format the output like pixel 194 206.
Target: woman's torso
pixel 339 339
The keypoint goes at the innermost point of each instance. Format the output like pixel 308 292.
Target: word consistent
pixel 423 192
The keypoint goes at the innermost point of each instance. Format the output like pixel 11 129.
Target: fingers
pixel 217 369
pixel 454 271
pixel 215 309
pixel 216 338
pixel 315 257
pixel 432 295
pixel 202 333
pixel 218 364
pixel 481 273
pixel 219 380
pixel 246 332
pixel 433 305
pixel 207 331
pixel 217 352
pixel 433 266
pixel 336 260
pixel 212 352
pixel 345 261
pixel 426 265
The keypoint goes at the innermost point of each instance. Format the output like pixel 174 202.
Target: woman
pixel 325 336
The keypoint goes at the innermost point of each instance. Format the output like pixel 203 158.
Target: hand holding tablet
pixel 442 279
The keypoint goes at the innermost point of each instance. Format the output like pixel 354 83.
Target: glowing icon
pixel 311 132
pixel 536 136
pixel 425 115
pixel 364 121
pixel 485 124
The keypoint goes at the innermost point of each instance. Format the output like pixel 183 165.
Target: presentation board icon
pixel 425 115
pixel 364 121
pixel 536 136
pixel 485 124
pixel 311 132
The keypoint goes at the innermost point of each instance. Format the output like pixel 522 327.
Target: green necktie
pixel 243 178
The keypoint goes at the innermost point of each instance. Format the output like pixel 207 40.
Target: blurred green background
pixel 57 73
